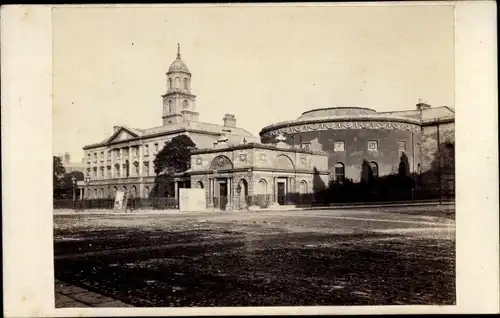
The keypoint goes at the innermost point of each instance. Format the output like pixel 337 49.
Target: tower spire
pixel 178 51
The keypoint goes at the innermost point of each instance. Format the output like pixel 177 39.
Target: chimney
pixel 422 105
pixel 229 120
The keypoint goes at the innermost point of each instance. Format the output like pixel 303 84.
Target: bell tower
pixel 179 104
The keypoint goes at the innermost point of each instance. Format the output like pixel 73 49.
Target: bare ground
pixel 286 258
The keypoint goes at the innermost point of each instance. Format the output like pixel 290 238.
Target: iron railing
pixel 159 203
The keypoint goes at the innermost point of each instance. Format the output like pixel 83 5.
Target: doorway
pixel 281 193
pixel 222 195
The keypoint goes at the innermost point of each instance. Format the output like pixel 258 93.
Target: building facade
pixel 340 141
pixel 125 159
pixel 354 137
pixel 257 175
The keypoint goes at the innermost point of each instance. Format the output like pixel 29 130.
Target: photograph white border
pixel 28 273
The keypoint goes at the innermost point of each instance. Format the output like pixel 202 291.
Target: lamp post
pixel 238 191
pixel 73 182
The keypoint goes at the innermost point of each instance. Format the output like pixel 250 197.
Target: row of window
pixel 118 171
pixel 340 171
pixel 118 155
pixel 185 105
pixel 97 193
pixel 177 83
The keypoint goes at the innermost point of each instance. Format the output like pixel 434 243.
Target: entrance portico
pixel 254 176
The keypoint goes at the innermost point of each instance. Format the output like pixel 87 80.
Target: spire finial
pixel 178 51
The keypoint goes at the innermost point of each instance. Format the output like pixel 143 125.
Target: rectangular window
pixel 401 146
pixel 146 169
pixel 156 148
pixel 102 172
pixel 372 145
pixel 338 146
pixel 339 173
pixel 146 150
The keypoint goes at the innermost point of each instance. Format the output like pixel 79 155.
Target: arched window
pixel 185 84
pixel 185 103
pixel 146 192
pixel 199 185
pixel 339 172
pixel 170 107
pixel 169 83
pixel 102 192
pixel 95 193
pixel 177 83
pixel 374 167
pixel 303 187
pixel 418 169
pixel 134 191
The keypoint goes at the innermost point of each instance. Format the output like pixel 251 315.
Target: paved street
pixel 274 258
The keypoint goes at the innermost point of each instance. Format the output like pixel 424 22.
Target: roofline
pixel 254 145
pixel 404 120
pixel 170 132
pixel 340 107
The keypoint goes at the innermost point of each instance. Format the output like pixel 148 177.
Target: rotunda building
pixel 360 142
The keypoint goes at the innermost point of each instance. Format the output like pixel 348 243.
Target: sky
pixel 262 64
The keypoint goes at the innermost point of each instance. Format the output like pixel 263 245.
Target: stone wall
pixel 387 157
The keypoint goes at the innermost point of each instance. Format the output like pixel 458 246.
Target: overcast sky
pixel 262 64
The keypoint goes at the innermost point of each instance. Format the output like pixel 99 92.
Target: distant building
pixel 69 165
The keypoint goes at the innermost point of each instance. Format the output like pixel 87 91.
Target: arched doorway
pixel 303 187
pixel 199 185
pixel 133 191
pixel 243 193
pixel 262 193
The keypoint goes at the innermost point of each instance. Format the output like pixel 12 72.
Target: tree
pixel 175 156
pixel 58 172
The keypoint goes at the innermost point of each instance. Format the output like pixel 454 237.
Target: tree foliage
pixel 58 170
pixel 175 156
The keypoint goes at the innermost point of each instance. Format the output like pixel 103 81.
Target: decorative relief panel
pixel 243 157
pixel 263 157
pixel 199 161
pixel 338 146
pixel 343 125
pixel 372 145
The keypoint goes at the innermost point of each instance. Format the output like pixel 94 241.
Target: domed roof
pixel 178 65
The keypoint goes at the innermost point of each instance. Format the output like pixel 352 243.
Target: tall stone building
pixel 125 159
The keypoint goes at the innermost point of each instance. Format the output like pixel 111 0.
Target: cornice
pixel 319 124
pixel 137 141
pixel 255 146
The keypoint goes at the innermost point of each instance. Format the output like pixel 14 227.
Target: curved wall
pixel 356 129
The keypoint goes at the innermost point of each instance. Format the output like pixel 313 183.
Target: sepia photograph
pixel 274 162
pixel 211 156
